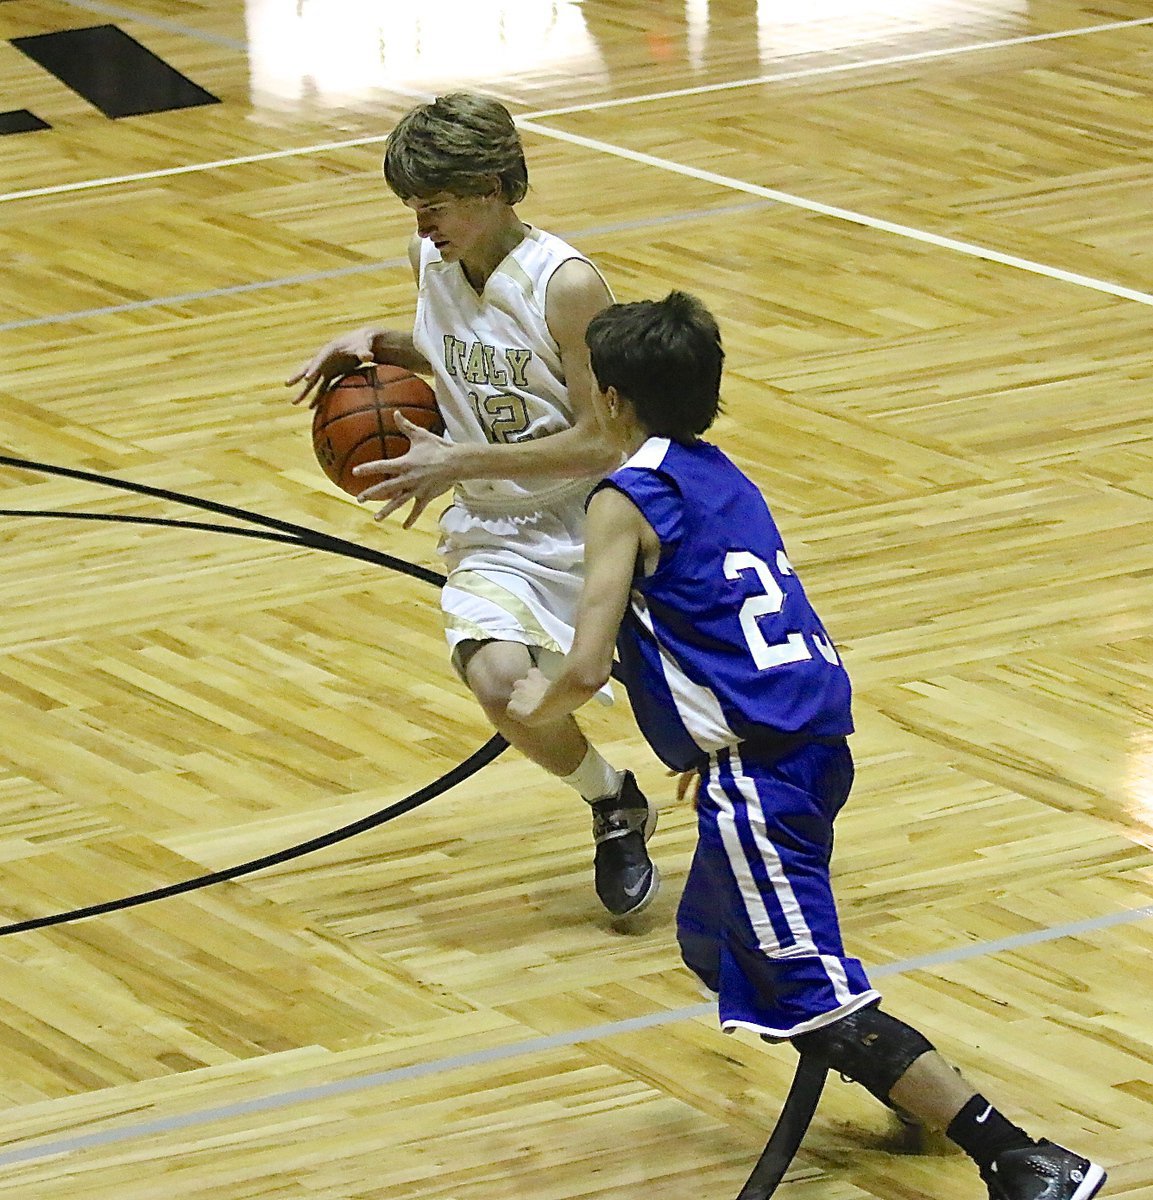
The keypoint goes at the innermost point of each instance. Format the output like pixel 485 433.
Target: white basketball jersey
pixel 498 374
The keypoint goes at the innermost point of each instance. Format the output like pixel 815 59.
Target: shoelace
pixel 617 823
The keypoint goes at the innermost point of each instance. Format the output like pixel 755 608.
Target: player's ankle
pixel 984 1133
pixel 594 778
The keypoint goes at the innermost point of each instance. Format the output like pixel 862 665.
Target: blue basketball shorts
pixel 757 921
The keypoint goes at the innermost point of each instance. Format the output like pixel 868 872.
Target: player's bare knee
pixel 868 1047
pixel 491 669
pixel 493 694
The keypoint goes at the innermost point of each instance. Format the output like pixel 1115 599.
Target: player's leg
pixel 700 925
pixel 623 819
pixel 783 971
pixel 490 670
pixel 513 589
pixel 765 831
pixel 900 1067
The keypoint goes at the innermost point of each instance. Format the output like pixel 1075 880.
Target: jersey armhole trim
pixel 668 549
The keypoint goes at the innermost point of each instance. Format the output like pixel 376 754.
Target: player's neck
pixel 632 439
pixel 484 260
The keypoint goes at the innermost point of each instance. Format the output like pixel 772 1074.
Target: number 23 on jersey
pixel 794 647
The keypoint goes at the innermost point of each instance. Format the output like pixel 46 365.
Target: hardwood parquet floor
pixel 924 230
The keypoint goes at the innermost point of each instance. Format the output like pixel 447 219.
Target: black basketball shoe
pixel 626 878
pixel 1043 1172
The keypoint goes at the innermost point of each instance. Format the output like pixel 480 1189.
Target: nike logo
pixel 636 890
pixel 985 1115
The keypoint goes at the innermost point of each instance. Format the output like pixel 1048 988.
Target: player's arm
pixel 576 293
pixel 368 344
pixel 395 346
pixel 616 537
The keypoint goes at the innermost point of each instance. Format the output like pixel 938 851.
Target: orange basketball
pixel 354 421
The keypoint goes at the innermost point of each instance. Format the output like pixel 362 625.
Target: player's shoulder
pixel 541 244
pixel 694 471
pixel 648 471
pixel 650 455
pixel 667 455
pixel 575 281
pixel 615 509
pixel 574 294
pixel 568 275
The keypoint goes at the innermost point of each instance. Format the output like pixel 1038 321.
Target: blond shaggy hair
pixel 462 144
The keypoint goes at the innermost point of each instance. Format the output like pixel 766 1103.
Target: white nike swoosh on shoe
pixel 985 1115
pixel 634 891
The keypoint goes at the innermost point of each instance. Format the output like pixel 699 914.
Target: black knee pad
pixel 868 1046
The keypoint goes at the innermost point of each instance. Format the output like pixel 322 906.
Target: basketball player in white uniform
pixel 501 313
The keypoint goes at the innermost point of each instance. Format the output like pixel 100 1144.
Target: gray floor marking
pixel 639 224
pixel 539 1045
pixel 127 14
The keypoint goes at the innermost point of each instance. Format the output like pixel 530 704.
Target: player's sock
pixel 983 1133
pixel 594 778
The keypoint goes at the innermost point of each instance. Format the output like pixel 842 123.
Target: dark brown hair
pixel 665 358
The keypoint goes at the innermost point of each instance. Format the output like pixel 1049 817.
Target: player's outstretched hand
pixel 688 784
pixel 527 694
pixel 338 357
pixel 420 475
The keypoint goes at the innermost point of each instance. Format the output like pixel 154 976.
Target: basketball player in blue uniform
pixel 732 675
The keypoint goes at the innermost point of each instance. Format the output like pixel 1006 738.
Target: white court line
pixel 838 68
pixel 350 143
pixel 538 1045
pixel 84 185
pixel 841 214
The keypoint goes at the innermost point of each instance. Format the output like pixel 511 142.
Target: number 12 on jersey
pixel 503 415
pixel 794 648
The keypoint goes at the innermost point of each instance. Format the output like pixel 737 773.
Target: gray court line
pixel 639 223
pixel 128 14
pixel 172 27
pixel 539 1045
pixel 234 289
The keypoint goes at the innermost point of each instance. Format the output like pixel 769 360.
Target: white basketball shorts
pixel 514 578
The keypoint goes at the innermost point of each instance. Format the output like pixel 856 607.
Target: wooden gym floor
pixel 924 227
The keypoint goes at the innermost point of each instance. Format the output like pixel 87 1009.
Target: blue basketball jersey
pixel 720 643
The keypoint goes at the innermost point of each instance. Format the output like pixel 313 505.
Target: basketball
pixel 354 421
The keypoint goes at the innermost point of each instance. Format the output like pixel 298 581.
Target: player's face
pixel 456 225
